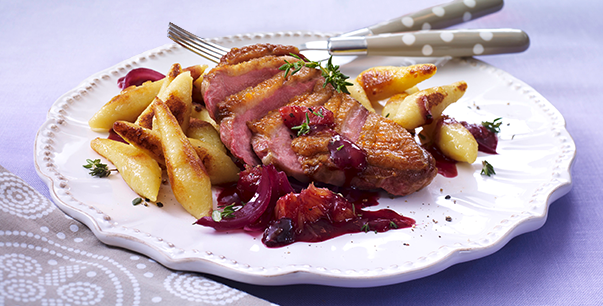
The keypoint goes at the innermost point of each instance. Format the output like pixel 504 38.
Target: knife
pixel 436 17
pixel 455 43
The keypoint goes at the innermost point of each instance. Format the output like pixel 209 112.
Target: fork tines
pixel 209 50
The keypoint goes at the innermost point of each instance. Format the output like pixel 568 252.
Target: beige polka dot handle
pixel 437 17
pixel 456 43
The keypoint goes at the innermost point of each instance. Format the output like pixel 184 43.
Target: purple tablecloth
pixel 49 47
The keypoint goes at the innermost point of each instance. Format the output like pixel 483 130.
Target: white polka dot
pixel 78 240
pixel 447 36
pixel 426 27
pixel 141 266
pixel 74 228
pixel 469 3
pixel 438 11
pixel 408 39
pixel 467 16
pixel 487 36
pixel 44 229
pixel 427 50
pixel 156 299
pixel 60 235
pixel 134 257
pixel 408 21
pixel 91 274
pixel 148 274
pixel 478 49
pixel 52 262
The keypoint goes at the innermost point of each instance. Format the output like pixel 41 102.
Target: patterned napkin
pixel 48 258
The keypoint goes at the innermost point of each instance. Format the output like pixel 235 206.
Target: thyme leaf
pixel 303 128
pixel 331 72
pixel 97 168
pixel 227 212
pixel 487 169
pixel 493 126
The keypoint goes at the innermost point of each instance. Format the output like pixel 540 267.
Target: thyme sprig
pixel 331 72
pixel 487 169
pixel 97 168
pixel 303 128
pixel 493 126
pixel 227 212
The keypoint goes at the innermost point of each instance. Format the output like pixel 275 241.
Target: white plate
pixel 533 170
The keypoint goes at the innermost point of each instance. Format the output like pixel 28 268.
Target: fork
pixel 194 43
pixel 455 43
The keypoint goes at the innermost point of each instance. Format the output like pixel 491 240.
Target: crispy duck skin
pixel 252 128
pixel 243 54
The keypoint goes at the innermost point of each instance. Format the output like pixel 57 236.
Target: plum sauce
pixel 314 214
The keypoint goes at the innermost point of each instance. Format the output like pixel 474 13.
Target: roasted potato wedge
pixel 358 93
pixel 455 141
pixel 178 97
pixel 424 106
pixel 146 140
pixel 139 171
pixel 383 82
pixel 220 168
pixel 127 105
pixel 197 72
pixel 189 180
pixel 201 112
pixel 205 131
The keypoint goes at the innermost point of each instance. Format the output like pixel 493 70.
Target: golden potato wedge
pixel 357 92
pixel 139 171
pixel 424 106
pixel 178 97
pixel 146 140
pixel 197 72
pixel 127 105
pixel 188 178
pixel 200 112
pixel 455 141
pixel 220 168
pixel 385 81
pixel 205 131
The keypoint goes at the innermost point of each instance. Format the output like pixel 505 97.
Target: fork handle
pixel 456 43
pixel 437 17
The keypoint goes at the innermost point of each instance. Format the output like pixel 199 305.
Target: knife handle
pixel 437 17
pixel 456 43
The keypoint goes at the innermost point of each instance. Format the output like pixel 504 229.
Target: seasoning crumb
pixel 448 218
pixel 434 221
pixel 406 244
pixel 447 197
pixel 159 204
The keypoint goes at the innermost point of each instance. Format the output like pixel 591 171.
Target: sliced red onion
pixel 487 141
pixel 280 187
pixel 138 76
pixel 251 211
